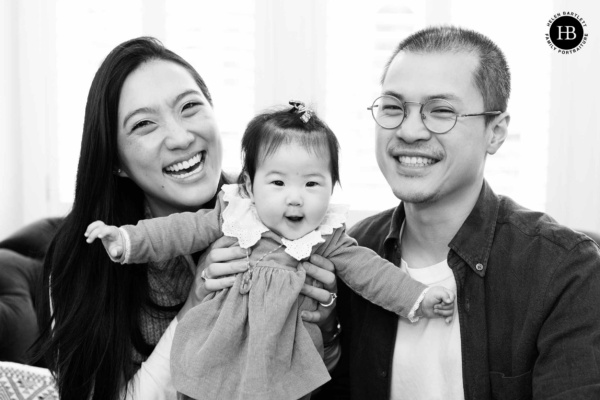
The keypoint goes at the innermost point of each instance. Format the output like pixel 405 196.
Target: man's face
pixel 421 166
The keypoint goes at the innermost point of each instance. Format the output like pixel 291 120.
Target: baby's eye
pixel 312 184
pixel 141 124
pixel 277 183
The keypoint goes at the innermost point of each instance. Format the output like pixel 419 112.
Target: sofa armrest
pixel 32 240
pixel 19 276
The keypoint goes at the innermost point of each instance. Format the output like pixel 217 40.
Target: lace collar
pixel 241 221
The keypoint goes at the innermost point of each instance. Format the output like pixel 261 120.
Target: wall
pixel 574 145
pixel 10 144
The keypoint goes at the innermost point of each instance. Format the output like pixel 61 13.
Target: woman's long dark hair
pixel 96 304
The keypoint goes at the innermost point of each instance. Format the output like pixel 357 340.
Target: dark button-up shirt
pixel 528 293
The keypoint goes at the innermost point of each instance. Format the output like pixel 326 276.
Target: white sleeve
pixel 153 379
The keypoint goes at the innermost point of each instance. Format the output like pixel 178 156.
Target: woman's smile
pixel 186 168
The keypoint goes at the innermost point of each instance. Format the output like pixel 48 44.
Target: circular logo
pixel 567 32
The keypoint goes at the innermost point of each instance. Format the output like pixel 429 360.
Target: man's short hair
pixel 492 76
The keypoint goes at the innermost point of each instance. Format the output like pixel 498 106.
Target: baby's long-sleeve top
pixel 369 275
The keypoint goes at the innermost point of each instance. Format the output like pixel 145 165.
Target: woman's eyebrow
pixel 148 110
pixel 183 94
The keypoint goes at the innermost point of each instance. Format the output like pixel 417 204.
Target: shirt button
pixel 383 374
pixel 479 267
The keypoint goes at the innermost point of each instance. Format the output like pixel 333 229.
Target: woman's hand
pixel 322 271
pixel 220 262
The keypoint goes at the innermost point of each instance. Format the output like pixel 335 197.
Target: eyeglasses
pixel 438 115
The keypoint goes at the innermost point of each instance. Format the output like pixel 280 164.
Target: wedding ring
pixel 333 297
pixel 203 275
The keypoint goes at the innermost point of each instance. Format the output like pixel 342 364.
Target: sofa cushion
pixel 19 277
pixel 21 269
pixel 32 240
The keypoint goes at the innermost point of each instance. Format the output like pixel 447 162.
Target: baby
pixel 249 341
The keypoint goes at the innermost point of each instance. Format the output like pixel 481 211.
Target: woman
pixel 150 147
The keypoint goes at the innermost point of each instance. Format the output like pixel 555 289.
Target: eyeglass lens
pixel 438 115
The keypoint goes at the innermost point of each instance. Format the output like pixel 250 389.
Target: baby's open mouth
pixel 294 218
pixel 186 168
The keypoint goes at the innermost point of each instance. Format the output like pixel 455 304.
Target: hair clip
pixel 298 107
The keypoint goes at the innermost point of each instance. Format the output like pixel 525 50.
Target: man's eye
pixel 141 124
pixel 391 107
pixel 392 110
pixel 277 183
pixel 312 184
pixel 442 111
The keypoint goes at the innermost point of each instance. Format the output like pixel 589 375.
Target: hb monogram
pixel 569 32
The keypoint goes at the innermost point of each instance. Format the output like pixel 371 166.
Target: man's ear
pixel 499 128
pixel 248 186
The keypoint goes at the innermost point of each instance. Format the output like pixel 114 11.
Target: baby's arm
pixel 163 238
pixel 437 302
pixel 110 235
pixel 380 281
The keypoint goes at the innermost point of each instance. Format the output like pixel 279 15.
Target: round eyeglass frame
pixel 404 103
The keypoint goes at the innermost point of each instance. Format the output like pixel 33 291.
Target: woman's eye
pixel 277 183
pixel 190 106
pixel 140 125
pixel 312 184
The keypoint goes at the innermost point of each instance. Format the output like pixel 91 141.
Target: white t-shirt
pixel 427 361
pixel 153 380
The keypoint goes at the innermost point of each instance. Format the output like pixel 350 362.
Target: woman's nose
pixel 177 136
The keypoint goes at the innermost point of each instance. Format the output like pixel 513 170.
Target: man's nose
pixel 413 127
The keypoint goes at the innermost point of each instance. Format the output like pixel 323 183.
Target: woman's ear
pixel 121 173
pixel 499 128
pixel 248 186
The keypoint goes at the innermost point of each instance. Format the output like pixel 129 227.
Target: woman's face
pixel 168 139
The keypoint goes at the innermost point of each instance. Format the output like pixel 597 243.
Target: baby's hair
pixel 267 131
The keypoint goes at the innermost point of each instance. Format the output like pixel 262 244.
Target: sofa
pixel 21 257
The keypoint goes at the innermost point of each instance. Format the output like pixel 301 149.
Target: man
pixel 528 322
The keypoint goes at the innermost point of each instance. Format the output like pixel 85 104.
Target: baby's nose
pixel 294 199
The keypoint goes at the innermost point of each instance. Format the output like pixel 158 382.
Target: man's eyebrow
pixel 444 96
pixel 393 94
pixel 148 110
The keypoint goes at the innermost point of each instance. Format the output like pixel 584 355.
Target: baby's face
pixel 292 188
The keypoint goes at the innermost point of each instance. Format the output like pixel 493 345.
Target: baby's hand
pixel 110 236
pixel 438 302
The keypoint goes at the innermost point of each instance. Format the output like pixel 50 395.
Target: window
pixel 190 28
pixel 257 53
pixel 360 40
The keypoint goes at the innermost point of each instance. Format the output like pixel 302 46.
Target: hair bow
pixel 299 108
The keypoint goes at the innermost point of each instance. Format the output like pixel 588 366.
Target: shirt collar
pixel 390 244
pixel 472 242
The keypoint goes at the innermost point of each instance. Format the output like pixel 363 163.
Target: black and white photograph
pixel 293 200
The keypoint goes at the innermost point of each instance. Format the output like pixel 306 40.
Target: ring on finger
pixel 333 297
pixel 203 275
